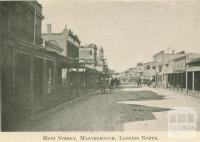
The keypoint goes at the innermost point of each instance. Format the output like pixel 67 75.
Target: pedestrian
pixel 119 83
pixel 98 85
pixel 111 84
pixel 74 86
pixel 71 87
pixel 139 81
pixel 115 82
pixel 103 86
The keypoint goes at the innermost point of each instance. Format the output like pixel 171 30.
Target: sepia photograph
pixel 100 66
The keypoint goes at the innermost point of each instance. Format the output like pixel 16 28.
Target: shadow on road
pixel 138 112
pixel 94 113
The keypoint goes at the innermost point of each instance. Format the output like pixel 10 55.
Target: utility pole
pixel 34 32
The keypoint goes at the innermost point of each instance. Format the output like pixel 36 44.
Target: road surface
pixel 125 109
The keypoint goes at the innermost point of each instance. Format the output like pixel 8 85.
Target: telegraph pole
pixel 34 32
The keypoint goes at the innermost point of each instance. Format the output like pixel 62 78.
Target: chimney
pixel 48 28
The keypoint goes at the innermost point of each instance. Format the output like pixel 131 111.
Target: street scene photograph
pixel 97 65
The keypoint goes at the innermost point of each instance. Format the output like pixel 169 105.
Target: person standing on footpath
pixel 111 84
pixel 103 86
pixel 98 85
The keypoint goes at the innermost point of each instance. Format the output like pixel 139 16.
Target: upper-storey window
pixel 22 18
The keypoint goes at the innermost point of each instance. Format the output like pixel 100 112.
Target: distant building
pixel 88 60
pixel 178 70
pixel 158 58
pixel 101 59
pixel 88 54
pixel 149 72
pixel 131 74
pixel 67 40
pixel 101 53
pixel 139 70
pixel 69 44
pixel 116 75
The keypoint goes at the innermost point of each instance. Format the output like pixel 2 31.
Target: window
pixel 148 67
pixel 154 67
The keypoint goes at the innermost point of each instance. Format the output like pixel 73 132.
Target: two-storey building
pixel 30 72
pixel 88 60
pixel 161 60
pixel 69 44
pixel 20 40
pixel 149 72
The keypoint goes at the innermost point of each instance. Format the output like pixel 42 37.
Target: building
pixel 161 60
pixel 38 70
pixel 22 20
pixel 101 60
pixel 184 73
pixel 20 42
pixel 131 74
pixel 31 69
pixel 149 72
pixel 88 54
pixel 178 71
pixel 102 66
pixel 69 44
pixel 128 75
pixel 139 70
pixel 116 75
pixel 193 71
pixel 88 60
pixel 158 58
pixel 67 40
pixel 175 73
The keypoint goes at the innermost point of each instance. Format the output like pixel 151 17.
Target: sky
pixel 129 31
